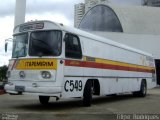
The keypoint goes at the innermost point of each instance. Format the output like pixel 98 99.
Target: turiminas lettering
pixel 35 64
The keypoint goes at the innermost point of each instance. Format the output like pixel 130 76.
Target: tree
pixel 3 71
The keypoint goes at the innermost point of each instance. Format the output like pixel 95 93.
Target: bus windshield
pixel 45 43
pixel 20 43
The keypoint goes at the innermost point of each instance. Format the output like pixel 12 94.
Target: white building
pixel 20 11
pixel 82 8
pixel 126 24
pixel 79 10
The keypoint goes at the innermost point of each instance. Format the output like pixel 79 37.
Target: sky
pixel 61 11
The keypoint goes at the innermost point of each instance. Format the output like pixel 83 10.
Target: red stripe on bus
pixel 13 64
pixel 105 66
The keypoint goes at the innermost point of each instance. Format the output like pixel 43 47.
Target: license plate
pixel 19 88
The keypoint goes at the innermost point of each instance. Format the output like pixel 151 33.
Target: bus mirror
pixel 6 43
pixel 6 46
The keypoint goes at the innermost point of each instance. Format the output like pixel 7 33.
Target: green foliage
pixel 3 71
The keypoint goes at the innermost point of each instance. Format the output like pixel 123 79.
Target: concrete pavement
pixel 28 107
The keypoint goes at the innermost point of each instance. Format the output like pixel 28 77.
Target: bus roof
pixel 84 34
pixel 102 39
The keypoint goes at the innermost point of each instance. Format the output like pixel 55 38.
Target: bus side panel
pixel 120 80
pixel 119 85
pixel 108 86
pixel 73 81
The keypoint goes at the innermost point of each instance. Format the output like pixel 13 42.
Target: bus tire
pixel 44 100
pixel 87 94
pixel 143 90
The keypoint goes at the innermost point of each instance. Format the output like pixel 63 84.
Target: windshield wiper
pixel 40 41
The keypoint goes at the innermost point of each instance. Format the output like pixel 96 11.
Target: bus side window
pixel 72 46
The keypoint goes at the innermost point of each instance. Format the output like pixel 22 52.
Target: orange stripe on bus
pixel 107 66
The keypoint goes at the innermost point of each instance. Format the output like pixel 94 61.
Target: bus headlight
pixel 46 74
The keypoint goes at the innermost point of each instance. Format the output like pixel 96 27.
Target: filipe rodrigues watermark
pixel 138 116
pixel 59 116
pixel 9 116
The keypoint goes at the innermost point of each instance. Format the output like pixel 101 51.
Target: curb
pixel 2 92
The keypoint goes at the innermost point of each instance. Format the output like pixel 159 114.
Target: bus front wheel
pixel 44 99
pixel 87 94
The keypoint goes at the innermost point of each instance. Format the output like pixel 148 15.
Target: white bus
pixel 52 60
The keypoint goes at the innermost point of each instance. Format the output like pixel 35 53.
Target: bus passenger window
pixel 72 47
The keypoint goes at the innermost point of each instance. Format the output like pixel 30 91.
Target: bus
pixel 52 60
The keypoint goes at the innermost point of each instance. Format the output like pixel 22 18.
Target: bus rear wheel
pixel 87 94
pixel 143 90
pixel 44 100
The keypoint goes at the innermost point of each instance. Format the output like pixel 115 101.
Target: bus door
pixel 73 71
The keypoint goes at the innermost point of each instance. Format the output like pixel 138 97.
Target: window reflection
pixel 20 45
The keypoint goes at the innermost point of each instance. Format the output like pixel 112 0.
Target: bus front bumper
pixel 51 90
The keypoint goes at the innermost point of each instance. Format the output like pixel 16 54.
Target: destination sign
pixel 31 26
pixel 37 64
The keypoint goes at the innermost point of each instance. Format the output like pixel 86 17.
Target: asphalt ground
pixel 122 107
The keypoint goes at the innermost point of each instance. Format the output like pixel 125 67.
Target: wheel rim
pixel 144 89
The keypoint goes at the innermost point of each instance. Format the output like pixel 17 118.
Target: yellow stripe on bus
pixel 110 62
